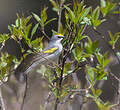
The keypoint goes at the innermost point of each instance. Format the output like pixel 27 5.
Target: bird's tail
pixel 24 68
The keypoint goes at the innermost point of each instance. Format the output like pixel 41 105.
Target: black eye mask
pixel 60 36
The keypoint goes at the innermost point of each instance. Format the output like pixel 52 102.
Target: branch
pixel 45 34
pixel 56 103
pixel 2 101
pixel 117 89
pixel 84 29
pixel 61 77
pixel 2 46
pixel 25 93
pixel 59 14
pixel 115 76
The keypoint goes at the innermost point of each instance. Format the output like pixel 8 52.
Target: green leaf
pixel 27 29
pixel 96 23
pixel 102 3
pixel 69 72
pixel 114 39
pixel 10 29
pixel 83 14
pixel 107 7
pixel 78 7
pixel 102 59
pixel 111 36
pixel 101 75
pixel 96 13
pixel 98 92
pixel 118 54
pixel 90 73
pixel 91 96
pixel 95 45
pixel 71 13
pixel 67 67
pixel 78 54
pixel 116 36
pixel 26 20
pixel 37 42
pixel 3 64
pixel 82 37
pixel 42 70
pixel 86 21
pixel 43 15
pixel 95 17
pixel 116 12
pixel 18 21
pixel 34 29
pixel 3 38
pixel 49 21
pixel 104 78
pixel 17 32
pixel 37 17
pixel 55 5
pixel 91 46
pixel 74 53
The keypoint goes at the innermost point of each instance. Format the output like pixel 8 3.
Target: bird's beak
pixel 63 37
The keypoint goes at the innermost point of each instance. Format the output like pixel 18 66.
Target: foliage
pixel 113 39
pixel 77 44
pixel 6 61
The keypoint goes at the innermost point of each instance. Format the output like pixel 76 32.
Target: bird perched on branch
pixel 50 53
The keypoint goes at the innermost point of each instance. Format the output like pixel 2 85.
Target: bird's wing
pixel 32 60
pixel 41 58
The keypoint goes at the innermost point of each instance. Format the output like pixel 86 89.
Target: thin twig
pixel 56 103
pixel 59 14
pixel 115 76
pixel 118 90
pixel 2 47
pixel 47 100
pixel 2 101
pixel 84 29
pixel 78 90
pixel 76 69
pixel 45 34
pixel 25 93
pixel 61 75
pixel 66 98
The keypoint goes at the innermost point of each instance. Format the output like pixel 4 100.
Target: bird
pixel 50 53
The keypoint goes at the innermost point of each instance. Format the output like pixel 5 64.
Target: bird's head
pixel 57 37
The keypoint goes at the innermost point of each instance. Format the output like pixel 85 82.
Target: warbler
pixel 50 53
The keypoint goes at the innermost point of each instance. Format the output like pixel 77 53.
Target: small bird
pixel 50 53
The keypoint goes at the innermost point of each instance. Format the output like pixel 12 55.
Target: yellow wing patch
pixel 50 50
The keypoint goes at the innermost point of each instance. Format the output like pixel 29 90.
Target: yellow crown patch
pixel 59 34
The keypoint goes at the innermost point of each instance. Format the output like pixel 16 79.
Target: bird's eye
pixel 60 36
